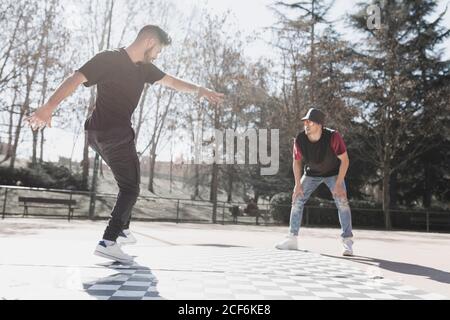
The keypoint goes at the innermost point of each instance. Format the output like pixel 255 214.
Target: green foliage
pixel 45 175
pixel 280 207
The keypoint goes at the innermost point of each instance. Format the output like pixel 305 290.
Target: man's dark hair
pixel 152 30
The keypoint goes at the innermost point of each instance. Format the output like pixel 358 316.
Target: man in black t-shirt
pixel 120 76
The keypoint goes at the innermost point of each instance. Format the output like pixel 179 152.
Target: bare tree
pixel 30 58
pixel 221 60
pixel 313 13
pixel 55 40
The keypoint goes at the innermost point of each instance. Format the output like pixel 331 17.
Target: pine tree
pixel 399 68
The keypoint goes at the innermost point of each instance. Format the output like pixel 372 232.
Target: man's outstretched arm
pixel 188 87
pixel 43 115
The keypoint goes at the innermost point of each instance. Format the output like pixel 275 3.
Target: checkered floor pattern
pixel 218 273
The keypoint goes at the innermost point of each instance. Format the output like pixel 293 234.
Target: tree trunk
pixel 200 120
pixel 23 110
pixel 171 175
pixel 35 143
pixel 10 129
pixel 393 188
pixel 197 181
pixel 85 171
pixel 36 133
pixel 16 141
pixel 85 164
pixel 151 172
pixel 386 197
pixel 312 50
pixel 41 155
pixel 93 188
pixel 213 191
pixel 152 165
pixel 215 172
pixel 427 192
pixel 43 98
pixel 230 185
pixel 95 172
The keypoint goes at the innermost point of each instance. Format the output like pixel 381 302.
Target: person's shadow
pixel 401 267
pixel 131 282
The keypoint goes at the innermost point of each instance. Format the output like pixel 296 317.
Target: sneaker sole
pixel 348 254
pixel 107 256
pixel 124 243
pixel 286 248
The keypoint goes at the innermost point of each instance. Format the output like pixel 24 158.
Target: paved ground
pixel 52 259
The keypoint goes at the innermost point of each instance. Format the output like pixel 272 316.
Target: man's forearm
pixel 297 168
pixel 181 85
pixel 342 172
pixel 64 90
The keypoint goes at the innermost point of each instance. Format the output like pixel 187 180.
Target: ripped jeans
pixel 310 184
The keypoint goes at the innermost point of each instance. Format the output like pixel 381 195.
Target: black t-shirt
pixel 320 158
pixel 120 83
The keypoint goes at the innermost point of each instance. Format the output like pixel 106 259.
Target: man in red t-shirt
pixel 322 154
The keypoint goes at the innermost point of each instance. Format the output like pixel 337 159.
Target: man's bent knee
pixel 300 201
pixel 130 192
pixel 342 202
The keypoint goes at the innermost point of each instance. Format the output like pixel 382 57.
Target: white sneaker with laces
pixel 112 252
pixel 126 237
pixel 290 243
pixel 347 243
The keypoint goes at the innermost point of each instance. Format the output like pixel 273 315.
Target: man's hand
pixel 211 96
pixel 40 118
pixel 339 191
pixel 298 192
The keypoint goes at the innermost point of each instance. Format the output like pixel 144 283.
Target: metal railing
pixel 176 209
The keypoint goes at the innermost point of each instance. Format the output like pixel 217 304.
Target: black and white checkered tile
pixel 213 273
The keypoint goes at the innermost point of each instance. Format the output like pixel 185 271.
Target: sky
pixel 251 16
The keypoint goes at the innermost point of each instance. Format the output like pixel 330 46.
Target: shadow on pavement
pixel 400 267
pixel 130 282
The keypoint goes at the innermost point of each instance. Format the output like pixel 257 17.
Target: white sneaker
pixel 126 237
pixel 112 252
pixel 290 243
pixel 347 243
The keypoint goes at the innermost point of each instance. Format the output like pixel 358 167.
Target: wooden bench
pixel 41 202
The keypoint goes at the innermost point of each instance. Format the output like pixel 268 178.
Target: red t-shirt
pixel 337 144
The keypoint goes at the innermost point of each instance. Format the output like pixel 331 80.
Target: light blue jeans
pixel 310 184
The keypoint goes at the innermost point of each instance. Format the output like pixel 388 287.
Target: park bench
pixel 30 202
